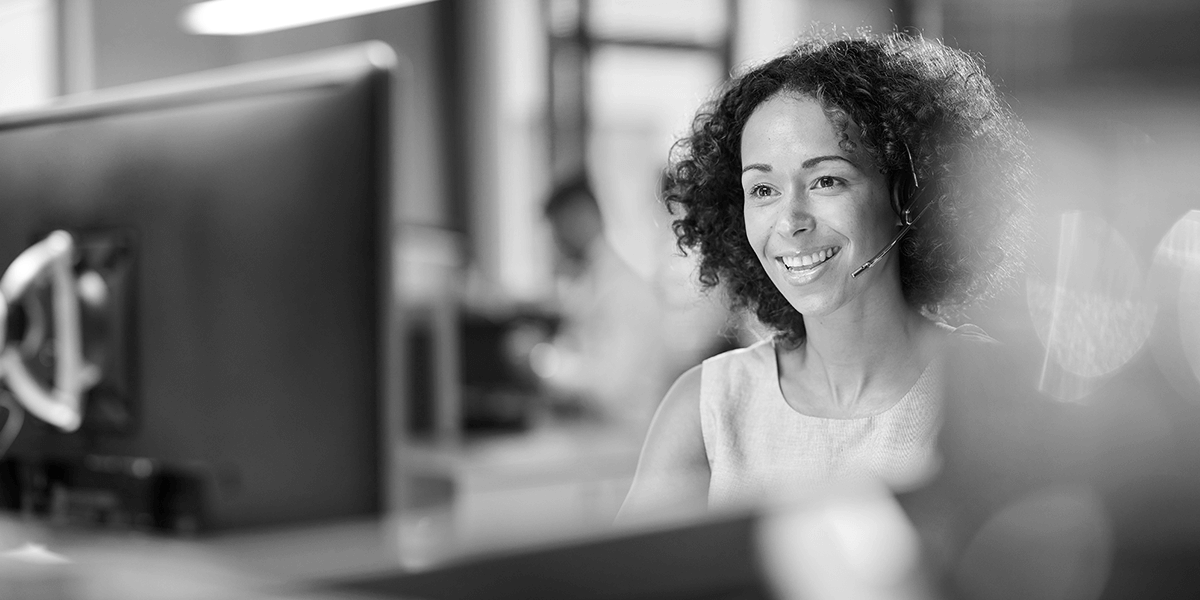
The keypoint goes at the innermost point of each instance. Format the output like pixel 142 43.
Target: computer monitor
pixel 232 247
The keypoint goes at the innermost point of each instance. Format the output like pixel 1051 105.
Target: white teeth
pixel 808 260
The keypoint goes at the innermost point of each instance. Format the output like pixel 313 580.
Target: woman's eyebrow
pixel 812 162
pixel 808 164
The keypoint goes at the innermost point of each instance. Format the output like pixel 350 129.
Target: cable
pixel 12 423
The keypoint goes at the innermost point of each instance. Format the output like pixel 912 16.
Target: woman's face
pixel 814 212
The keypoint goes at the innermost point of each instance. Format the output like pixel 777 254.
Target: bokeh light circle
pixel 1175 280
pixel 1094 315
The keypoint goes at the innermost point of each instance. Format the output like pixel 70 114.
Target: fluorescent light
pixel 244 17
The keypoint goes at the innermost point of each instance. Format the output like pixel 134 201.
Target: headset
pixel 908 215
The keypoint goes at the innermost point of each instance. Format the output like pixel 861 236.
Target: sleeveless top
pixel 760 447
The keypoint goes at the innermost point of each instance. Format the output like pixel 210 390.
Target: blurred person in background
pixel 856 195
pixel 607 358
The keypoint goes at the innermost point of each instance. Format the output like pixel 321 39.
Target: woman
pixel 854 194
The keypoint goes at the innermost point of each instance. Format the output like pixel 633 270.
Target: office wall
pixel 1035 45
pixel 26 53
pixel 136 40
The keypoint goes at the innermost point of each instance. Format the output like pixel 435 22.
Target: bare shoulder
pixel 682 402
pixel 672 472
pixel 675 438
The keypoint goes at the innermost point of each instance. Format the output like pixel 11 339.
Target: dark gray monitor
pixel 241 222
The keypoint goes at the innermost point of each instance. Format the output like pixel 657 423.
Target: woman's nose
pixel 795 217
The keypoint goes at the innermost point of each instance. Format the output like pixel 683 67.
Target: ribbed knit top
pixel 760 447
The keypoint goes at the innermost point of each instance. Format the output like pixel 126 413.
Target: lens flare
pixel 1055 542
pixel 1175 280
pixel 1096 315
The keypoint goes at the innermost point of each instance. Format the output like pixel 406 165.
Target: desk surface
pixel 501 484
pixel 552 452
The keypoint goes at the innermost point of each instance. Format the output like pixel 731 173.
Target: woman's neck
pixel 858 361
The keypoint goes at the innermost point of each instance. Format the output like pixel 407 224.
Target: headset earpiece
pixel 906 193
pixel 902 194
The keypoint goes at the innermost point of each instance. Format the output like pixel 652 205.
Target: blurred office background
pixel 502 99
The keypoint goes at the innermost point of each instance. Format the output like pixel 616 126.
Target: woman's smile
pixel 801 269
pixel 801 262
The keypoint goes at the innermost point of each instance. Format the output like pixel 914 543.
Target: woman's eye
pixel 760 191
pixel 825 181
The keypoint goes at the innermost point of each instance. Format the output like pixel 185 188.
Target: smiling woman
pixel 811 211
pixel 795 186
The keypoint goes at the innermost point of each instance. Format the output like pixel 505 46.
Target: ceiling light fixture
pixel 245 17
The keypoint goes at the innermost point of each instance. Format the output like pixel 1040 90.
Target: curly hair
pixel 909 97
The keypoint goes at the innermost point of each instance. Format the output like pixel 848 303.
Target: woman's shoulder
pixel 973 332
pixel 675 435
pixel 672 471
pixel 968 348
pixel 684 396
pixel 677 419
pixel 967 334
pixel 753 361
pixel 759 352
pixel 979 366
pixel 737 377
